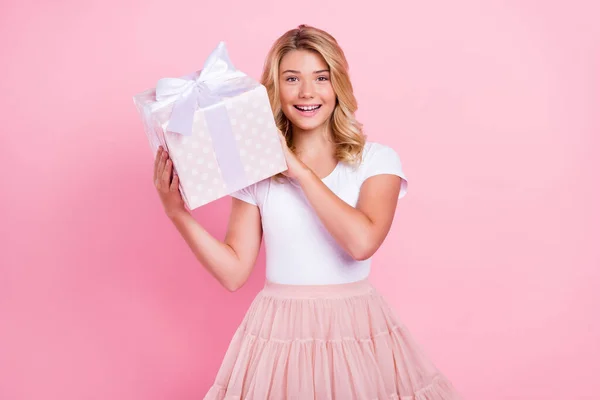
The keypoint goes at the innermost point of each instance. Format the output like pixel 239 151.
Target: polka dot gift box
pixel 217 126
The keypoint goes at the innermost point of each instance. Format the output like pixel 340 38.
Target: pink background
pixel 493 260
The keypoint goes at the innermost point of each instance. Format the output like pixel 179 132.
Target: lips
pixel 308 109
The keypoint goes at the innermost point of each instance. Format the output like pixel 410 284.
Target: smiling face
pixel 305 91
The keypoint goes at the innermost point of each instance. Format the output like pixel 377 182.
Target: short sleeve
pixel 380 159
pixel 247 194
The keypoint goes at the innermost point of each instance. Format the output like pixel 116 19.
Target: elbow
pixel 232 285
pixel 362 251
pixel 234 282
pixel 229 286
pixel 362 256
pixel 233 276
pixel 232 288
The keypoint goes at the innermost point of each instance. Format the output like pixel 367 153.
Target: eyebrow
pixel 293 71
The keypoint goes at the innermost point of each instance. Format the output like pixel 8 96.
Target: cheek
pixel 286 95
pixel 328 95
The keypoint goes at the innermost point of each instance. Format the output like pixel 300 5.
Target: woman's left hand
pixel 296 168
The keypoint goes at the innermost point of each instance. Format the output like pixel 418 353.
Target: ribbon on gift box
pixel 217 80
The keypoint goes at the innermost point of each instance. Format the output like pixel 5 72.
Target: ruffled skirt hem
pixel 325 342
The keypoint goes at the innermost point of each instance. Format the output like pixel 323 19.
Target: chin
pixel 302 125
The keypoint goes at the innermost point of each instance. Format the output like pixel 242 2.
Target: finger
pixel 166 175
pixel 161 166
pixel 156 160
pixel 175 183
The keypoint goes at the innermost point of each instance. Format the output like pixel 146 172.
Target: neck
pixel 313 144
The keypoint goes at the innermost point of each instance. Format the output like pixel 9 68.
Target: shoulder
pixel 379 159
pixel 375 153
pixel 371 147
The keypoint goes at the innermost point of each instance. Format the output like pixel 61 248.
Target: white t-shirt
pixel 299 249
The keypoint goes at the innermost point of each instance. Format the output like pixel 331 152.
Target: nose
pixel 306 90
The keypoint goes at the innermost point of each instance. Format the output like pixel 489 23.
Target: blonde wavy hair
pixel 347 133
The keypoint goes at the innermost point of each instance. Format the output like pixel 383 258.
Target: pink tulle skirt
pixel 339 342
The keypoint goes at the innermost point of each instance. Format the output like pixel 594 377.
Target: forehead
pixel 303 61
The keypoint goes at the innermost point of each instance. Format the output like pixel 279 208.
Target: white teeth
pixel 309 108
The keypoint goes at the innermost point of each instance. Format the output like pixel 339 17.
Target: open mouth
pixel 308 109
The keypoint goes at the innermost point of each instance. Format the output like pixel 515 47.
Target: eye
pixel 289 78
pixel 322 78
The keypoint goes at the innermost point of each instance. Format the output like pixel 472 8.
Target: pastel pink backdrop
pixel 493 259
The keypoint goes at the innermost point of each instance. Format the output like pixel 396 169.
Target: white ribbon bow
pixel 188 93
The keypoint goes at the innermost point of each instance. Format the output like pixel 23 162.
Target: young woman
pixel 318 329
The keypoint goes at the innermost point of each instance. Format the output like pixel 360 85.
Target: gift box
pixel 218 127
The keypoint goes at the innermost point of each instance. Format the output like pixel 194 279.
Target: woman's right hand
pixel 167 184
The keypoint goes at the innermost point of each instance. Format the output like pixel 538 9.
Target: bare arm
pixel 230 261
pixel 361 230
